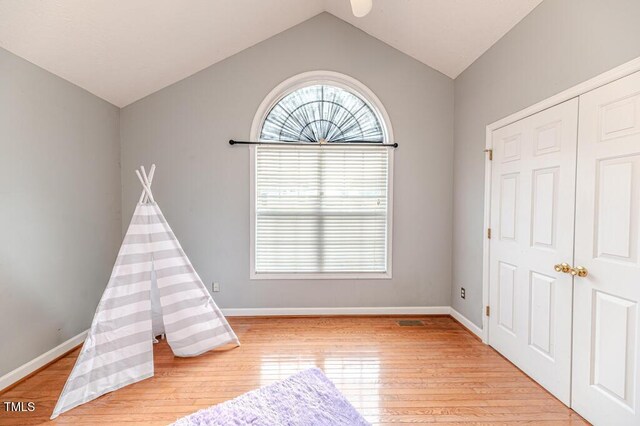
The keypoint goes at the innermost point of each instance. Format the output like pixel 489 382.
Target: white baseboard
pixel 405 310
pixel 466 322
pixel 24 370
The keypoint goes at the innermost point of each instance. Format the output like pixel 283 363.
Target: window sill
pixel 322 276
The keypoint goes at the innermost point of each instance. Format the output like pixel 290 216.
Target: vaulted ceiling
pixel 122 51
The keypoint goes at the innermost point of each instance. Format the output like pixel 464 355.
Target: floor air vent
pixel 410 323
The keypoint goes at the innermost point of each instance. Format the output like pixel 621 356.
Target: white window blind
pixel 321 209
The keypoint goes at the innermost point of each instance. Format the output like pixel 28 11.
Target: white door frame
pixel 577 90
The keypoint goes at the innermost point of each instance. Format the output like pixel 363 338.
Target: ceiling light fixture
pixel 361 8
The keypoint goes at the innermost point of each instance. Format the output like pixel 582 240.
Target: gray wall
pixel 560 44
pixel 202 184
pixel 59 208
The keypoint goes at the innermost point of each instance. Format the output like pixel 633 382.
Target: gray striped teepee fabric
pixel 118 350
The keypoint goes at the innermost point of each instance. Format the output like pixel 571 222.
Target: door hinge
pixel 487 311
pixel 490 151
pixel 489 233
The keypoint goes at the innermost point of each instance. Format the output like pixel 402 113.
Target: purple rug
pixel 304 399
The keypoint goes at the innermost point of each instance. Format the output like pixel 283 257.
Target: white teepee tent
pixel 153 290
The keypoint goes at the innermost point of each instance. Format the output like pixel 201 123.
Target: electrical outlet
pixel 216 286
pixel 462 292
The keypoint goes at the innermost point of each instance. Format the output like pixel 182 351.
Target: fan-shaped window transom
pixel 322 112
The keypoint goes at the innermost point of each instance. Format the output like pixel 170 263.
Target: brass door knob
pixel 562 267
pixel 580 271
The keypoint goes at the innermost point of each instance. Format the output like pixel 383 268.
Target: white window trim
pixel 348 83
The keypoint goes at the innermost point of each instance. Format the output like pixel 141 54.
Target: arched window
pixel 323 210
pixel 322 112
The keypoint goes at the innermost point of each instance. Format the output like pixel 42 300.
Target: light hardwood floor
pixel 436 373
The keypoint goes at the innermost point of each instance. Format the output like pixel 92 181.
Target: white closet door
pixel 606 358
pixel 532 218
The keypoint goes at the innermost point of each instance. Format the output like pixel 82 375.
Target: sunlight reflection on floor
pixel 357 377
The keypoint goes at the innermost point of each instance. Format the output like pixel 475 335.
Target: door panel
pixel 617 226
pixel 606 360
pixel 541 307
pixel 545 196
pixel 532 212
pixel 508 206
pixel 506 290
pixel 614 329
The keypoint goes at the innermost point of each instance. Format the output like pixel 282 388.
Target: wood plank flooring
pixel 436 373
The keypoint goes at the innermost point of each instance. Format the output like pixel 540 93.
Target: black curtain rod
pixel 359 143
